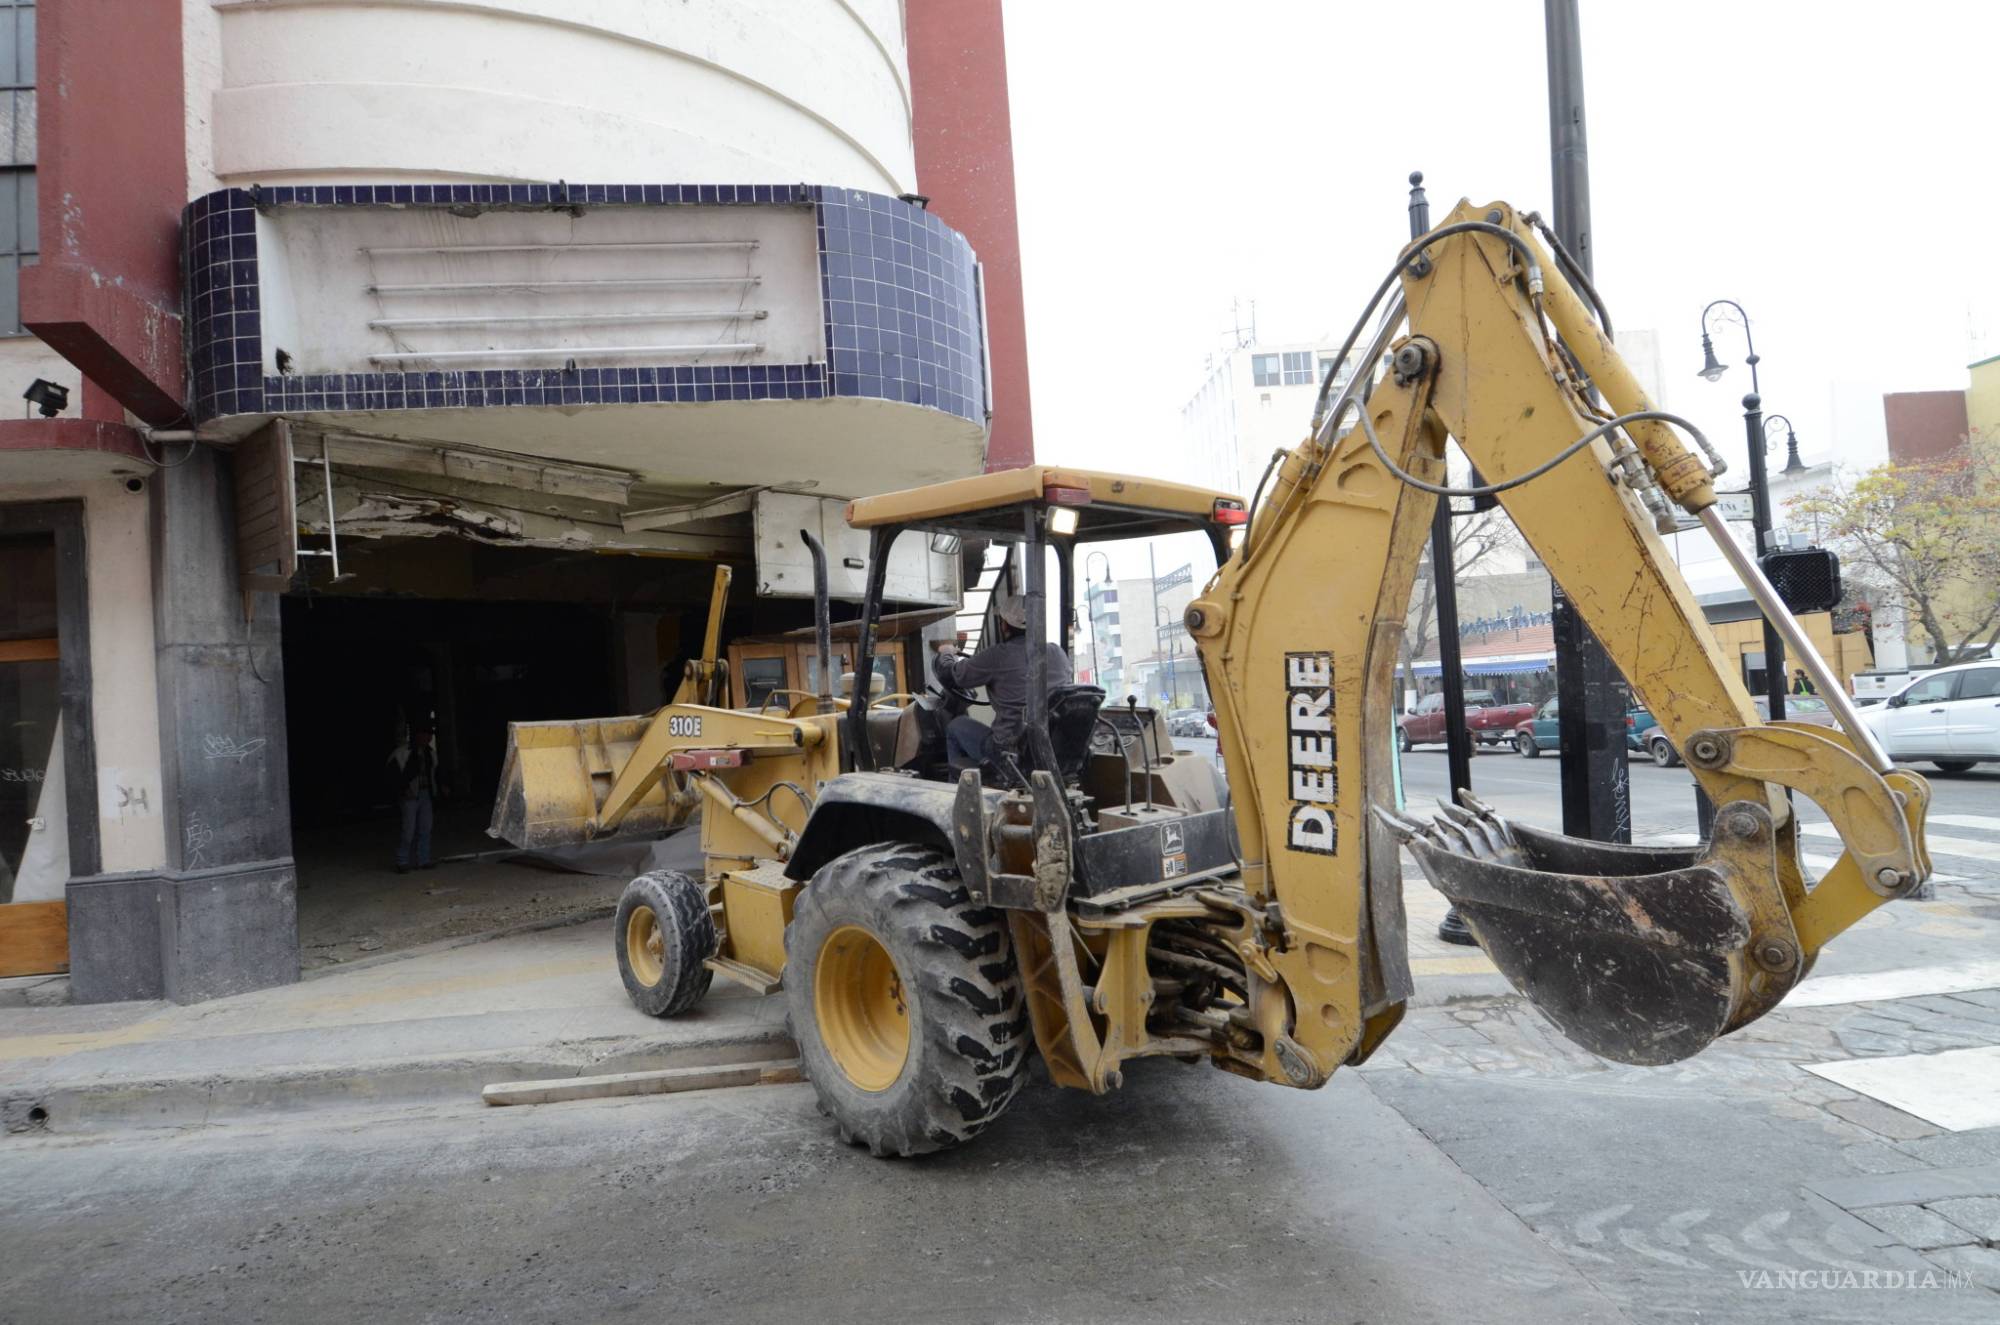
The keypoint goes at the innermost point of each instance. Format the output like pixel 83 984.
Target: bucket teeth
pixel 1402 825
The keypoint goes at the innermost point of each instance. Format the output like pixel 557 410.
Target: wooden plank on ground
pixel 665 1081
pixel 34 938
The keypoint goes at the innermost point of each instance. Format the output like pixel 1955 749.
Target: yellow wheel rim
pixel 863 1011
pixel 645 945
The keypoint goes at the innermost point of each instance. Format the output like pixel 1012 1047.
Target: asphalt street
pixel 1477 1168
pixel 1190 1195
pixel 1662 798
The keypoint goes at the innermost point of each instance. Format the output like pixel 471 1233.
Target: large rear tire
pixel 664 937
pixel 904 1000
pixel 1403 739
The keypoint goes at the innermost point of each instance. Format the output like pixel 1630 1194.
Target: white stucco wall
pixel 123 691
pixel 22 360
pixel 603 91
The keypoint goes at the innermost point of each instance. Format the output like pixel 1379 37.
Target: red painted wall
pixel 1923 425
pixel 965 164
pixel 113 178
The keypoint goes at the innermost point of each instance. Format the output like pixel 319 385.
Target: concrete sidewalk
pixel 438 1023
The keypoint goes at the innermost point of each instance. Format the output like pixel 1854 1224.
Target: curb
pixel 80 1108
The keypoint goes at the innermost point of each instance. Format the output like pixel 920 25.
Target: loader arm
pixel 1640 954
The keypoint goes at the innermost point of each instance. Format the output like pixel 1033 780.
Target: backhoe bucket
pixel 557 775
pixel 1636 953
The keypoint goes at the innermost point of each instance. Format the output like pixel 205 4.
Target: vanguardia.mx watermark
pixel 1838 1280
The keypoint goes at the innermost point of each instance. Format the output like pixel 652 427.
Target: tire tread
pixel 971 1017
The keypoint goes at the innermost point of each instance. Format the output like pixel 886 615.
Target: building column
pixel 964 140
pixel 221 917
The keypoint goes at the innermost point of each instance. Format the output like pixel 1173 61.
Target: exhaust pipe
pixel 822 621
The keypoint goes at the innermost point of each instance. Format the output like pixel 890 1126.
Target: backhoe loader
pixel 1097 900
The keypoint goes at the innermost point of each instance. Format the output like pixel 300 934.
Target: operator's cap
pixel 1011 607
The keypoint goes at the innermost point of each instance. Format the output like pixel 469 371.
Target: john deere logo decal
pixel 1173 851
pixel 1309 748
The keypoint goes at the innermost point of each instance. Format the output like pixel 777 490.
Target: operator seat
pixel 1072 719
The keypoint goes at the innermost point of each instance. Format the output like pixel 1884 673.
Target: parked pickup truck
pixel 1488 722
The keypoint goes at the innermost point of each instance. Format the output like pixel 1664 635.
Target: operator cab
pixel 1006 524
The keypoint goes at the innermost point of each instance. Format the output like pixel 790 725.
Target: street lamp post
pixel 1712 370
pixel 1090 610
pixel 1793 465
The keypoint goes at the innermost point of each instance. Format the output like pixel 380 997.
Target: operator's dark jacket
pixel 1003 669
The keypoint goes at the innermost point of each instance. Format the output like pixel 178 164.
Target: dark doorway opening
pixel 359 674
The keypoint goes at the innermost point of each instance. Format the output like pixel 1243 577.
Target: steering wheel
pixel 952 692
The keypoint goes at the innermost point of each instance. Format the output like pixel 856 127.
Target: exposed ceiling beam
pixel 738 502
pixel 523 473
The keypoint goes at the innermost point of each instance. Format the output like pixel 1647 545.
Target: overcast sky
pixel 1829 165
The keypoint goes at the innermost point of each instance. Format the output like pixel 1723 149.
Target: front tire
pixel 1403 740
pixel 904 1000
pixel 1663 752
pixel 1525 746
pixel 664 937
pixel 1953 765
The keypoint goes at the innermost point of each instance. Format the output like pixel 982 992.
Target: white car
pixel 1950 717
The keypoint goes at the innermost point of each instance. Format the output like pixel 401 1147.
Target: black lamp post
pixel 1793 465
pixel 1760 485
pixel 1090 610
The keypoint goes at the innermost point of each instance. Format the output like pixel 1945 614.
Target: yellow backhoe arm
pixel 705 680
pixel 1641 954
pixel 564 783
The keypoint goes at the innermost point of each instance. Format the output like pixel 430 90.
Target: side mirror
pixel 1897 701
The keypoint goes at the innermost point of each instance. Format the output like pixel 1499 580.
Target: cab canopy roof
pixel 1108 506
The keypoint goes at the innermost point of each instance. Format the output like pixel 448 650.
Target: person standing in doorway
pixel 1801 683
pixel 416 780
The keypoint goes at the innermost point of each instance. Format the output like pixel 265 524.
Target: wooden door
pixel 34 835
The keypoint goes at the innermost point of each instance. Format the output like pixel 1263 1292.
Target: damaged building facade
pixel 418 363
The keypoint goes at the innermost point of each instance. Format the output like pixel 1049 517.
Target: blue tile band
pixel 898 293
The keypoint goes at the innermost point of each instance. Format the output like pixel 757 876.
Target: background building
pixel 1102 663
pixel 1254 399
pixel 421 361
pixel 1925 427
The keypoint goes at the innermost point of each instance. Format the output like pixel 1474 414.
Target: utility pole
pixel 1761 523
pixel 1596 779
pixel 1457 740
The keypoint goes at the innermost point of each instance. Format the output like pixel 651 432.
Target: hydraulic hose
pixel 1490 489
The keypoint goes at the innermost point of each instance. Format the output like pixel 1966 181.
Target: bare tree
pixel 1928 534
pixel 1474 539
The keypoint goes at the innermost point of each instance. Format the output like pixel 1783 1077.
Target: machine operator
pixel 1002 667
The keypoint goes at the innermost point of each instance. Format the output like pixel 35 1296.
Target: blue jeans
pixel 414 846
pixel 966 741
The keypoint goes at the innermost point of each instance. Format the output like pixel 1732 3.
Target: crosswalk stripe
pixel 1820 991
pixel 1824 863
pixel 1819 863
pixel 1989 822
pixel 1939 846
pixel 1958 1089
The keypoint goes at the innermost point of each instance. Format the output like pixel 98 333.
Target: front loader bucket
pixel 557 775
pixel 1636 953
